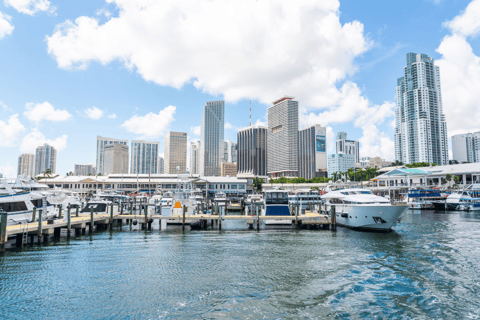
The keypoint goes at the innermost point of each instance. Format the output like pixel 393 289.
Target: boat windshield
pixel 97 207
pixel 276 198
pixel 356 192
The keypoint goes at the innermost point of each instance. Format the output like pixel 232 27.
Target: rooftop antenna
pixel 250 113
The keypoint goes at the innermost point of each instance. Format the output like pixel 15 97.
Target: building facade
pixel 340 163
pixel 144 157
pixel 195 157
pixel 26 165
pixel 282 138
pixel 420 126
pixel 345 146
pixel 466 147
pixel 312 151
pixel 115 159
pixel 101 143
pixel 84 169
pixel 45 158
pixel 175 152
pixel 161 165
pixel 229 151
pixel 228 169
pixel 252 151
pixel 211 138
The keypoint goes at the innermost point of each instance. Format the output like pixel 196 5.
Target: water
pixel 427 268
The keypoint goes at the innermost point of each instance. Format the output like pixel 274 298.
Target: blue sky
pixel 341 60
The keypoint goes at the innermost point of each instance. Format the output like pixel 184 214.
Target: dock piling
pixel 60 212
pixel 92 221
pixel 39 231
pixel 34 213
pixel 258 218
pixel 333 217
pixel 3 231
pixel 69 222
pixel 76 212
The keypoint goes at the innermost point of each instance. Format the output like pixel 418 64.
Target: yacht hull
pixel 369 218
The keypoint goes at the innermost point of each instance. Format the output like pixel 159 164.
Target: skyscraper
pixel 161 165
pixel 312 151
pixel 26 165
pixel 345 146
pixel 45 158
pixel 195 157
pixel 282 138
pixel 115 158
pixel 466 147
pixel 211 138
pixel 252 151
pixel 84 169
pixel 420 126
pixel 229 151
pixel 101 143
pixel 144 157
pixel 175 152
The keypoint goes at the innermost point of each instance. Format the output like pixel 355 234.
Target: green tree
pixel 397 163
pixel 456 179
pixel 257 183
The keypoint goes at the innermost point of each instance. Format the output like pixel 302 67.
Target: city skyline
pixel 67 101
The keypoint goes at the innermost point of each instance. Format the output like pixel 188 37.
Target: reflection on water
pixel 426 268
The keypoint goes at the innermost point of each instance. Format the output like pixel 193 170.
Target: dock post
pixel 220 217
pixel 40 224
pixel 121 207
pixel 76 211
pixel 91 221
pixel 60 212
pixel 258 218
pixel 69 222
pixel 111 216
pixel 3 231
pixel 296 216
pixel 333 217
pixel 34 214
pixel 146 216
pixel 183 218
pixel 131 207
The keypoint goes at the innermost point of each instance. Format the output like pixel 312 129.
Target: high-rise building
pixel 26 165
pixel 161 165
pixel 115 159
pixel 229 151
pixel 466 147
pixel 312 151
pixel 144 157
pixel 101 143
pixel 340 163
pixel 282 138
pixel 84 169
pixel 252 151
pixel 45 158
pixel 211 138
pixel 175 152
pixel 195 157
pixel 228 169
pixel 420 126
pixel 345 146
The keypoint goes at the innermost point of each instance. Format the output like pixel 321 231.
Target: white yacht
pixel 276 204
pixel 220 199
pixel 98 206
pixel 304 198
pixel 19 207
pixel 167 199
pixel 256 198
pixel 458 201
pixel 363 210
pixel 197 196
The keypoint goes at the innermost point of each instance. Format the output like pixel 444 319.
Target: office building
pixel 161 165
pixel 211 138
pixel 229 151
pixel 466 147
pixel 282 138
pixel 101 143
pixel 26 165
pixel 345 146
pixel 312 151
pixel 195 157
pixel 115 159
pixel 144 157
pixel 84 170
pixel 45 158
pixel 252 151
pixel 228 169
pixel 175 152
pixel 340 163
pixel 420 126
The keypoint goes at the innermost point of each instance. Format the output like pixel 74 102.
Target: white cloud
pixel 37 112
pixel 151 125
pixel 228 125
pixel 30 7
pixel 4 106
pixel 260 123
pixel 112 116
pixel 8 170
pixel 331 146
pixel 11 131
pixel 196 130
pixel 93 113
pixel 35 138
pixel 5 27
pixel 460 72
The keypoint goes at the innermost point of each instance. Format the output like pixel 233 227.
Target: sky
pixel 136 69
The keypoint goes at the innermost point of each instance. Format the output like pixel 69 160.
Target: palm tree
pixel 448 177
pixel 47 174
pixel 456 179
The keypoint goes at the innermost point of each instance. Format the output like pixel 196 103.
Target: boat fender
pixel 150 220
pixel 135 222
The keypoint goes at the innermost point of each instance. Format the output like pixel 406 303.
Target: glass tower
pixel 211 138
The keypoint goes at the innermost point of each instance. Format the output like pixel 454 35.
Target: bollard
pixel 69 222
pixel 39 231
pixel 333 216
pixel 91 221
pixel 183 218
pixel 3 231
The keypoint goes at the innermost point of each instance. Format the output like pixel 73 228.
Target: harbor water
pixel 428 267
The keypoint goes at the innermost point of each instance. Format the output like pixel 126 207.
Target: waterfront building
pixel 312 151
pixel 229 151
pixel 26 165
pixel 161 165
pixel 45 158
pixel 228 169
pixel 211 138
pixel 340 163
pixel 175 152
pixel 466 147
pixel 115 158
pixel 364 161
pixel 282 138
pixel 144 158
pixel 101 143
pixel 84 169
pixel 195 157
pixel 379 163
pixel 345 146
pixel 420 126
pixel 252 151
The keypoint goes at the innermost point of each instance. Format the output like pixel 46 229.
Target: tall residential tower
pixel 175 152
pixel 101 143
pixel 312 152
pixel 211 138
pixel 26 165
pixel 45 158
pixel 144 157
